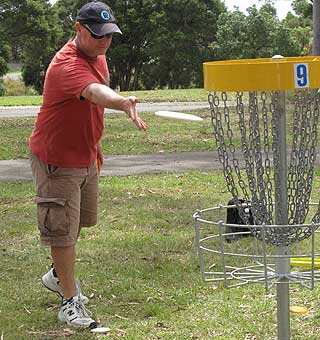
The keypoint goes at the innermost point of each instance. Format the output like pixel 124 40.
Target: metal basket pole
pixel 282 262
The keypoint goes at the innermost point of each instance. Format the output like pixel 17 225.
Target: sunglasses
pixel 94 36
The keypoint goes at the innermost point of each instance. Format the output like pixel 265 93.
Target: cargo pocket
pixel 52 216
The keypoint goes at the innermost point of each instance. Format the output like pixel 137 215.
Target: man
pixel 65 146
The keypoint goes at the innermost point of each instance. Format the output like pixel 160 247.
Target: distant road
pixel 13 75
pixel 25 111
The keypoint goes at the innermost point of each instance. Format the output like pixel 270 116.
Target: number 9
pixel 301 72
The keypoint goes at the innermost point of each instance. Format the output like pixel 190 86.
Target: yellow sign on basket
pixel 264 74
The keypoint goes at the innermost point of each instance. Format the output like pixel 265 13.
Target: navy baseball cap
pixel 99 17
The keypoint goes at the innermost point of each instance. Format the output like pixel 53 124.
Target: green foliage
pixel 185 30
pixel 45 35
pixel 131 51
pixel 260 34
pixel 2 88
pixel 65 12
pixel 231 36
pixel 303 8
pixel 164 42
pixel 4 48
pixel 301 26
pixel 30 25
pixel 4 57
pixel 17 88
pixel 138 58
pixel 303 39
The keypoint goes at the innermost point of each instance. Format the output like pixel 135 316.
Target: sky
pixel 282 6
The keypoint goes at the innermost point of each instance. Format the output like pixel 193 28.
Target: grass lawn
pixel 164 135
pixel 120 135
pixel 183 95
pixel 140 268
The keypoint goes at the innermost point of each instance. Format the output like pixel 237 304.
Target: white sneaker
pixel 52 283
pixel 74 313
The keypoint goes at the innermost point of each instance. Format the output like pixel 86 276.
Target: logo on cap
pixel 105 15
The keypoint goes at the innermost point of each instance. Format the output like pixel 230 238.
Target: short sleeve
pixel 75 77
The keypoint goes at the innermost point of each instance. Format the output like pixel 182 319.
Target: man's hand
pixel 130 109
pixel 106 97
pixel 99 157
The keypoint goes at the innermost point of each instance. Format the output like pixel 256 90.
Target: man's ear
pixel 77 26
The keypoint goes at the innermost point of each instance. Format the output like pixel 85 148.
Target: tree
pixel 31 25
pixel 260 34
pixel 130 52
pixel 4 57
pixel 4 49
pixel 179 46
pixel 231 36
pixel 65 13
pixel 303 8
pixel 164 42
pixel 300 25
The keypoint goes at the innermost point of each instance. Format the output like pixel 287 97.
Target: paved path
pixel 126 165
pixel 14 170
pixel 24 111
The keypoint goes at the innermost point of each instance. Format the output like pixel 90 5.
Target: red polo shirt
pixel 69 127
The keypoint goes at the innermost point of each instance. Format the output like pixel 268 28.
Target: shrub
pixel 16 88
pixel 2 88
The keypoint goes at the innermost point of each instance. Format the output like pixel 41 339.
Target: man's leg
pixel 64 259
pixel 58 200
pixel 72 311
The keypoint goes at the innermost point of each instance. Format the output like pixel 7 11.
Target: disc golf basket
pixel 264 115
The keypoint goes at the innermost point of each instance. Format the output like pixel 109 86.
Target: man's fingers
pixel 134 115
pixel 141 124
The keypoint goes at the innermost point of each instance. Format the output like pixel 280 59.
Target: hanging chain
pixel 258 139
pixel 218 131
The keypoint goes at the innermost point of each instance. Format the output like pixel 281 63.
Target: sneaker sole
pixel 92 325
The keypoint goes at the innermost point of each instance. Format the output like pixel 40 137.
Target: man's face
pixel 89 45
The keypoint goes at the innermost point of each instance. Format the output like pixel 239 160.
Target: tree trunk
pixel 316 28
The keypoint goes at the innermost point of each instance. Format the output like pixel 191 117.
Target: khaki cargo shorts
pixel 67 200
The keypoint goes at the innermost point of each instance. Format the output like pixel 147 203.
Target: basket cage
pixel 232 254
pixel 246 129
